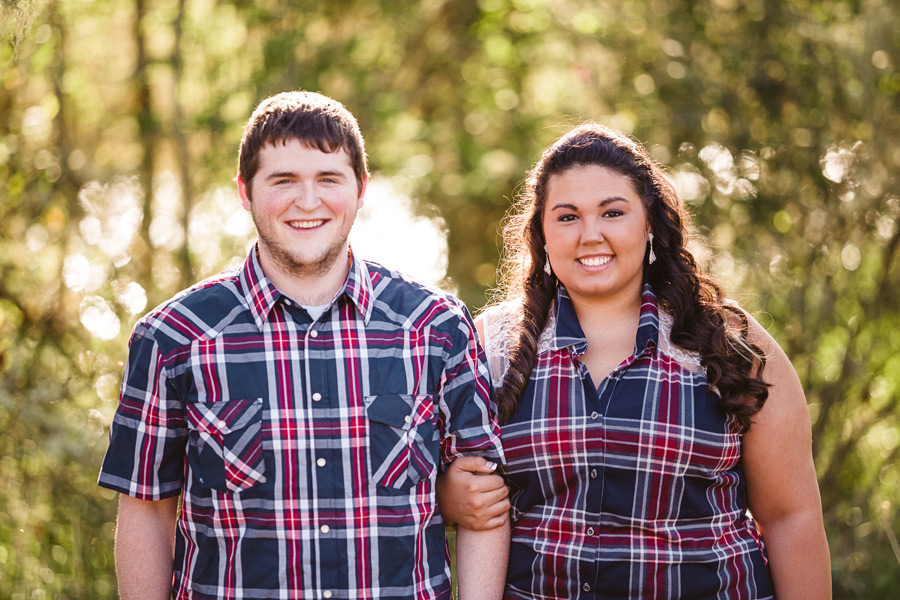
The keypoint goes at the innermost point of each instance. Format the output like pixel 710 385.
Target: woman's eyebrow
pixel 567 206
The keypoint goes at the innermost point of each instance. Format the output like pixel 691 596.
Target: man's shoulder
pixel 398 296
pixel 197 310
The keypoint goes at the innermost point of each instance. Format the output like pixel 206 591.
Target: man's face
pixel 304 202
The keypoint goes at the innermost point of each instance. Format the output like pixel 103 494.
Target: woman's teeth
pixel 595 261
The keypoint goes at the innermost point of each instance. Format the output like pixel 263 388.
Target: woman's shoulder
pixel 736 318
pixel 497 324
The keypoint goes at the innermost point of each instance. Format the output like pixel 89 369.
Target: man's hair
pixel 315 120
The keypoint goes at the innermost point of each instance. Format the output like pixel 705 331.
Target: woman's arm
pixel 481 560
pixel 781 482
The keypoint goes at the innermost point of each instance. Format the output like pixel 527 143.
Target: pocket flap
pixel 391 409
pixel 224 417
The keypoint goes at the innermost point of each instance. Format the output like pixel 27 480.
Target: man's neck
pixel 311 290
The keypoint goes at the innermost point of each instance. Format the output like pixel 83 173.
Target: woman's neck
pixel 610 327
pixel 596 314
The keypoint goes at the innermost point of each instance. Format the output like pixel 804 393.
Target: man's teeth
pixel 306 224
pixel 595 261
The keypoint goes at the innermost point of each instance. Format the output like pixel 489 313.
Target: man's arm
pixel 481 559
pixel 470 492
pixel 145 548
pixel 471 429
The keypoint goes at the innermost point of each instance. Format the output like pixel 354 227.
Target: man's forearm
pixel 145 547
pixel 481 559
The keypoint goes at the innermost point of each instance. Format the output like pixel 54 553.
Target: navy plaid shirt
pixel 630 487
pixel 305 452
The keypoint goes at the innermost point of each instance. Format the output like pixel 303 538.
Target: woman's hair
pixel 703 321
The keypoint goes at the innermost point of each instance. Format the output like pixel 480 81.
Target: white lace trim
pixel 501 321
pixel 689 360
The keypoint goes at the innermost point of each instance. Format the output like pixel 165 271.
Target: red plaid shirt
pixel 305 452
pixel 630 487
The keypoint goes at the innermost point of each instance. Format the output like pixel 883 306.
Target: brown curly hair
pixel 704 322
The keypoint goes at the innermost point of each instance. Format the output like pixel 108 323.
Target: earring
pixel 652 258
pixel 547 269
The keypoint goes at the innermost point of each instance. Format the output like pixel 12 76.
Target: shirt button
pixel 407 419
pixel 324 528
pixel 593 473
pixel 317 396
pixel 590 531
pixel 595 414
pixel 326 594
pixel 321 462
pixel 586 587
pixel 313 333
pixel 221 424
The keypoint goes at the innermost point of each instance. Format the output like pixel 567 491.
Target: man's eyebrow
pixel 292 174
pixel 281 174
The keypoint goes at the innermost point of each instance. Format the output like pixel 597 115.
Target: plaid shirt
pixel 633 489
pixel 305 452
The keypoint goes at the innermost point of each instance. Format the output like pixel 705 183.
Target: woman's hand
pixel 471 494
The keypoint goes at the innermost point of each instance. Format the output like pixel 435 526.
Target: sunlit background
pixel 119 125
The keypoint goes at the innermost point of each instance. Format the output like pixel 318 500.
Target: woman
pixel 643 414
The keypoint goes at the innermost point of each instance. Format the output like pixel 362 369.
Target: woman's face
pixel 595 227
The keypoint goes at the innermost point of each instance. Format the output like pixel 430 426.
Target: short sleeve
pixel 466 401
pixel 145 457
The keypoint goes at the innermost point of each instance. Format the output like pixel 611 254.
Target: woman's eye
pixel 613 213
pixel 566 218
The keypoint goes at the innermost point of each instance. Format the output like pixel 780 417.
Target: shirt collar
pixel 569 332
pixel 261 295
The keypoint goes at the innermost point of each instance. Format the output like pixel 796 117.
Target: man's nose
pixel 305 196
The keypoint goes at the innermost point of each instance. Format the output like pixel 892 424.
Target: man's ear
pixel 243 193
pixel 362 191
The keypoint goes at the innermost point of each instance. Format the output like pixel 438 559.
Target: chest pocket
pixel 403 440
pixel 225 444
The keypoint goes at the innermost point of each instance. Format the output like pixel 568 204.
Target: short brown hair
pixel 313 119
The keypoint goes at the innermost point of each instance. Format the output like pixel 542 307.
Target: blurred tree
pixel 119 126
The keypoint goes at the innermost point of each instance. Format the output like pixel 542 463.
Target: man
pixel 301 405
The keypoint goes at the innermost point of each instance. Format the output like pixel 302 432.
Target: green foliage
pixel 119 126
